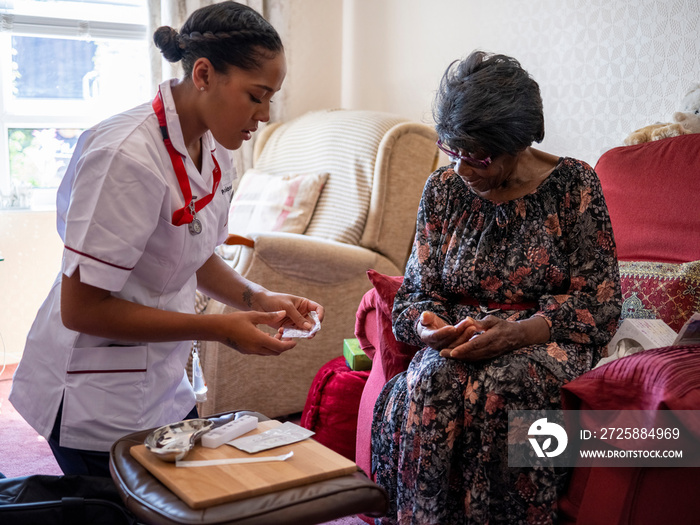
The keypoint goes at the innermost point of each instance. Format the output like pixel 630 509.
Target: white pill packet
pixel 303 334
pixel 285 434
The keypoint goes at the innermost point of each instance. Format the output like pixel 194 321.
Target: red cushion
pixel 658 379
pixel 624 496
pixel 395 355
pixel 386 286
pixel 332 405
pixel 651 190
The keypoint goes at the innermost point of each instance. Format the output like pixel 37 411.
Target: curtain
pixel 174 13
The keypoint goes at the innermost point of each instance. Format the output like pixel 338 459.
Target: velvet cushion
pixel 657 379
pixel 666 379
pixel 666 291
pixel 395 355
pixel 651 191
pixel 386 286
pixel 267 203
pixel 332 405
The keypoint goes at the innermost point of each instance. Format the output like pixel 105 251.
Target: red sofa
pixel 652 191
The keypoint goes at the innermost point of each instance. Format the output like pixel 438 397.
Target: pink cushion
pixel 280 203
pixel 373 331
pixel 332 404
pixel 376 381
pixel 651 190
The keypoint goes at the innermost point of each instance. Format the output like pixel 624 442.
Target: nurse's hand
pixel 296 308
pixel 240 332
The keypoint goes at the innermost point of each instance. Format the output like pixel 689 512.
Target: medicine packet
pixel 285 434
pixel 304 334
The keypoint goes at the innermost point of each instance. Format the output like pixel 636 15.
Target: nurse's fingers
pixel 270 318
pixel 242 333
pixel 260 343
pixel 320 310
pixel 300 320
pixel 272 346
pixel 266 345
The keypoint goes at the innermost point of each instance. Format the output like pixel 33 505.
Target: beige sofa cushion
pixel 274 203
pixel 337 142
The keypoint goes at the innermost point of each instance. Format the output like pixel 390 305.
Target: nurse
pixel 142 206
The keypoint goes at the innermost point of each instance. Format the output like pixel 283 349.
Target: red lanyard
pixel 186 214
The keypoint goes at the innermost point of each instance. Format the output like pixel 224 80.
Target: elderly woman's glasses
pixel 470 161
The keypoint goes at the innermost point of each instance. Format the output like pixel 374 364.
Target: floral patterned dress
pixel 439 435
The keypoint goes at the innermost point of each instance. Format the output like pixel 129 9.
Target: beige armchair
pixel 364 218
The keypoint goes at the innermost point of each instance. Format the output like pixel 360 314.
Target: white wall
pixel 32 252
pixel 311 31
pixel 605 67
pixel 314 50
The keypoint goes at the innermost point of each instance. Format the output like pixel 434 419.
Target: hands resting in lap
pixel 473 340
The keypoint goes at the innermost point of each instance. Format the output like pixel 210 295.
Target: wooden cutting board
pixel 203 487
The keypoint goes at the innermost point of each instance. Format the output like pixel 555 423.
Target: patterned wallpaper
pixel 605 67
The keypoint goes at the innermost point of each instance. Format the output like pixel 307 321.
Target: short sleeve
pixel 115 206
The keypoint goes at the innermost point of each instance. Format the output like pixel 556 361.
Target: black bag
pixel 62 500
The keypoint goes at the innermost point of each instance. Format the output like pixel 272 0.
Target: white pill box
pixel 225 433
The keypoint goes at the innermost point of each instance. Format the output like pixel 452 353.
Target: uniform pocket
pixel 108 359
pixel 105 392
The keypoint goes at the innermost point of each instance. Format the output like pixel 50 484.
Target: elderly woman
pixel 512 290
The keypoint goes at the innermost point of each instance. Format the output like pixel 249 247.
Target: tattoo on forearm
pixel 248 297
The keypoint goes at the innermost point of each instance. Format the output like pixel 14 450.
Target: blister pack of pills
pixel 285 434
pixel 290 333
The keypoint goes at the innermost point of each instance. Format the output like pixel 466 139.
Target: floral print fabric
pixel 439 442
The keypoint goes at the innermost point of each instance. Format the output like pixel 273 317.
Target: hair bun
pixel 168 41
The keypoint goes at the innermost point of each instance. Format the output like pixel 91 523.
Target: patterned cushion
pixel 343 144
pixel 653 290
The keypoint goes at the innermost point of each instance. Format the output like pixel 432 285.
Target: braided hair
pixel 227 33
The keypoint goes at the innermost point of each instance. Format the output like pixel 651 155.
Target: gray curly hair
pixel 487 105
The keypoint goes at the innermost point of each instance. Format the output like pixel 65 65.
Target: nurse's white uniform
pixel 115 208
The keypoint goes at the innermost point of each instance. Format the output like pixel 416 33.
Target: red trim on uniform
pixel 126 371
pixel 98 260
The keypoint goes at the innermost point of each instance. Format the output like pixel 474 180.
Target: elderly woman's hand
pixel 434 331
pixel 494 337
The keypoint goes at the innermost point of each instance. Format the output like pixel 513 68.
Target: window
pixel 64 66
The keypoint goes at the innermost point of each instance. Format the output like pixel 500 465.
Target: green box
pixel 355 356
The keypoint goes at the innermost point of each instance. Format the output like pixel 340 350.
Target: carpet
pixel 23 452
